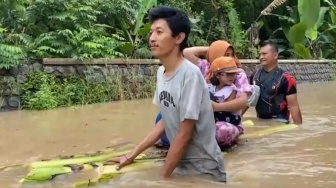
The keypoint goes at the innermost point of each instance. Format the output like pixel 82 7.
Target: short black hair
pixel 177 20
pixel 214 81
pixel 271 44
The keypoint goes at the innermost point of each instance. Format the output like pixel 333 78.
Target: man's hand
pixel 122 161
pixel 149 141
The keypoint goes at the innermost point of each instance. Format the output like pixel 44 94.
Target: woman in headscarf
pixel 215 50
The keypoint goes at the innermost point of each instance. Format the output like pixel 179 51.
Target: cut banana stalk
pixel 47 170
pixel 107 150
pixel 46 173
pixel 64 166
pixel 49 173
pixel 81 160
pixel 109 172
pixel 86 158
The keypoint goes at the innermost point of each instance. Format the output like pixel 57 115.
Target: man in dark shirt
pixel 278 94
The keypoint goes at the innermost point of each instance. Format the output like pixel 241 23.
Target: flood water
pixel 302 158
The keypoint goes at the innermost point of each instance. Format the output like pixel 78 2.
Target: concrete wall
pixel 10 80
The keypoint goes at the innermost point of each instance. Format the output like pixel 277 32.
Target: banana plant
pixel 140 29
pixel 306 28
pixel 310 34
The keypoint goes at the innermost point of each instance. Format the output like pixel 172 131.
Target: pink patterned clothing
pixel 204 65
pixel 227 133
pixel 227 123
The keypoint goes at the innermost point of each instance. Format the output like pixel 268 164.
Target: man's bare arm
pixel 289 89
pixel 294 108
pixel 178 147
pixel 149 141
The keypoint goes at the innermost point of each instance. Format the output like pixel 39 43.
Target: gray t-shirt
pixel 185 95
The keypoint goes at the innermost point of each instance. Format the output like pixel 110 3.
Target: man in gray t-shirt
pixel 185 95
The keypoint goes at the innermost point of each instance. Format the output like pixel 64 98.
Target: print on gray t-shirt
pixel 185 95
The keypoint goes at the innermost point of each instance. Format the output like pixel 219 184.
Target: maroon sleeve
pixel 288 85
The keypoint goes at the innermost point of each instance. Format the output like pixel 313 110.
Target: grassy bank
pixel 41 91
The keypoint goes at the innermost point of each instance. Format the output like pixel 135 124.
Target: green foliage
pixel 38 93
pixel 117 29
pixel 10 55
pixel 55 28
pixel 137 31
pixel 45 91
pixel 73 30
pixel 308 30
pixel 309 11
pixel 8 86
pixel 237 36
pixel 297 33
pixel 102 28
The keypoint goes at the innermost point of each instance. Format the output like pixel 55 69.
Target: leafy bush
pixel 10 55
pixel 45 91
pixel 98 28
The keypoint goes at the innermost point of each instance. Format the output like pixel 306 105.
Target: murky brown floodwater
pixel 303 158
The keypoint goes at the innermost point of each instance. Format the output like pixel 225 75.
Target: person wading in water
pixel 218 49
pixel 184 100
pixel 223 72
pixel 278 94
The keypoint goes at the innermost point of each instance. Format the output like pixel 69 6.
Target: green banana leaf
pixel 309 11
pixel 302 51
pixel 296 33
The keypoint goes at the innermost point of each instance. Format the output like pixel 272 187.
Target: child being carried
pixel 223 73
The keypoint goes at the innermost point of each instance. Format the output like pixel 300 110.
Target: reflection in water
pixel 304 158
